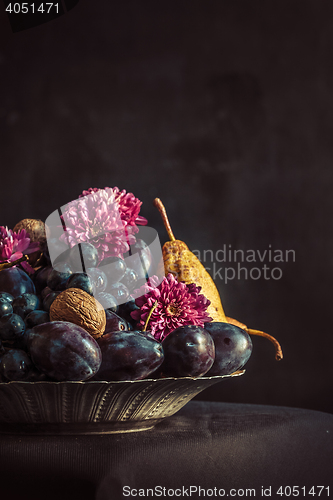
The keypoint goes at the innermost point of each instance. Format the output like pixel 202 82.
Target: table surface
pixel 208 445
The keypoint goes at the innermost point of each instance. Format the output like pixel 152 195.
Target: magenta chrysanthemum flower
pixel 129 206
pixel 14 245
pixel 178 304
pixel 95 218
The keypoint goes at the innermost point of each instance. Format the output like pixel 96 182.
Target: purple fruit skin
pixel 108 301
pixel 233 348
pixel 47 302
pixel 114 323
pixel 15 364
pixel 143 264
pixel 189 351
pixel 12 327
pixel 64 351
pixel 45 292
pixel 36 317
pixel 40 278
pixel 16 282
pixel 128 356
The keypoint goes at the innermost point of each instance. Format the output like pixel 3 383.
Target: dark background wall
pixel 224 109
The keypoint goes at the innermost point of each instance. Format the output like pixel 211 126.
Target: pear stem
pixel 278 350
pixel 149 316
pixel 6 265
pixel 161 208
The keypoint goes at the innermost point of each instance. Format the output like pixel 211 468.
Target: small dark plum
pixel 25 303
pixel 83 256
pixel 114 323
pixel 40 278
pixel 120 292
pixel 189 351
pixel 36 317
pixel 142 260
pixel 130 279
pixel 15 281
pixel 5 307
pixel 128 356
pixel 107 301
pixel 15 364
pixel 59 275
pixel 127 308
pixel 22 342
pixel 58 249
pixel 114 268
pixel 45 292
pixel 49 299
pixel 35 375
pixel 98 278
pixel 233 348
pixel 6 296
pixel 82 281
pixel 64 351
pixel 12 326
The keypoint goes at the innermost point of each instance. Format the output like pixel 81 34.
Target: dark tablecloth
pixel 225 449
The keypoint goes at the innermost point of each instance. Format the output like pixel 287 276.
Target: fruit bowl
pixel 95 407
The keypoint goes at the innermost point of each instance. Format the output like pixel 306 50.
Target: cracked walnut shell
pixel 80 308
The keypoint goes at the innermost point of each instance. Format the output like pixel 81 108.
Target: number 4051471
pixel 26 8
pixel 296 491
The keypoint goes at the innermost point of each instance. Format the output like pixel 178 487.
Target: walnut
pixel 36 232
pixel 35 229
pixel 79 307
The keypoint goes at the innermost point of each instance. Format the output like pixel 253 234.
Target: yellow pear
pixel 182 263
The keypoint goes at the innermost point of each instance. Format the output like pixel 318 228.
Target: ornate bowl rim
pixel 215 377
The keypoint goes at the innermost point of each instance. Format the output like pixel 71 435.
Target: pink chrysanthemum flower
pixel 14 245
pixel 178 304
pixel 95 217
pixel 129 206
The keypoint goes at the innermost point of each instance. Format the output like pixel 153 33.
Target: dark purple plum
pixel 188 352
pixel 83 256
pixel 58 249
pixel 12 326
pixel 2 349
pixel 233 348
pixel 120 292
pixel 5 307
pixel 36 317
pixel 64 351
pixel 127 308
pixel 114 268
pixel 40 278
pixel 82 281
pixel 15 364
pixel 22 342
pixel 114 323
pixel 59 275
pixel 128 356
pixel 107 301
pixel 45 292
pixel 35 375
pixel 15 282
pixel 142 264
pixel 25 303
pixel 49 299
pixel 130 279
pixel 98 278
pixel 6 296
